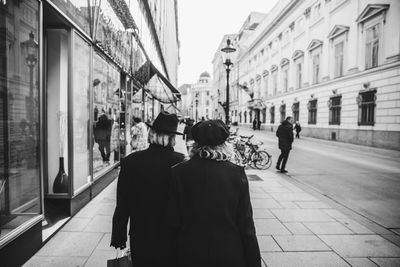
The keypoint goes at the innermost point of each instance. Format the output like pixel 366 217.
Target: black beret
pixel 211 132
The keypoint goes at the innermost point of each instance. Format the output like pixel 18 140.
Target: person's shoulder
pixel 178 156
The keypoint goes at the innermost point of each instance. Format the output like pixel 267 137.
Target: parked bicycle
pixel 248 152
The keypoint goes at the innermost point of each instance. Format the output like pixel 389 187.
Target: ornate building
pixel 332 65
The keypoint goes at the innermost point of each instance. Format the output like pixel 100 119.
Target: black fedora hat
pixel 211 132
pixel 165 123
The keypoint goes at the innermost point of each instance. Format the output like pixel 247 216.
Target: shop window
pixel 20 183
pixel 366 107
pixel 312 111
pixel 106 82
pixel 296 111
pixel 282 111
pixel 272 113
pixel 335 106
pixel 81 112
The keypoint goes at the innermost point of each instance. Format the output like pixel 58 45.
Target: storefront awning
pixel 155 83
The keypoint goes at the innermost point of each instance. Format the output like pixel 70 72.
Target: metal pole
pixel 143 103
pixel 227 97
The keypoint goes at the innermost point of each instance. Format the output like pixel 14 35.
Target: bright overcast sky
pixel 202 24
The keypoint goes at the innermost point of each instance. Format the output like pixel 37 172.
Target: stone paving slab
pixel 270 227
pixel 77 244
pixel 298 228
pixel 387 262
pixel 303 259
pixel 267 244
pixel 327 228
pixel 301 243
pixel 50 261
pixel 361 262
pixel 301 215
pixel 361 245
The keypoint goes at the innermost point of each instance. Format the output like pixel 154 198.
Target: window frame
pixel 368 57
pixel 364 106
pixel 312 111
pixel 296 111
pixel 335 110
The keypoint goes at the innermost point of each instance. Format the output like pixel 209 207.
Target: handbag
pixel 124 261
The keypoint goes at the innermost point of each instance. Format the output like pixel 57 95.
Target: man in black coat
pixel 285 135
pixel 142 194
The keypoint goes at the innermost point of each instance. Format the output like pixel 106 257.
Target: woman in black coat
pixel 142 194
pixel 210 205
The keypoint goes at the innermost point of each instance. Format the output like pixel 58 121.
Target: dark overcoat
pixel 210 206
pixel 285 135
pixel 142 194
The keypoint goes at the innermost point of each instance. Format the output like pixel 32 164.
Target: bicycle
pixel 249 154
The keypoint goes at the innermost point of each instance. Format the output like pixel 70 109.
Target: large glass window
pixel 299 74
pixel 81 112
pixel 334 110
pixel 282 111
pixel 272 113
pixel 285 77
pixel 315 68
pixel 312 111
pixel 339 55
pixel 372 46
pixel 106 82
pixel 296 111
pixel 275 82
pixel 19 114
pixel 366 107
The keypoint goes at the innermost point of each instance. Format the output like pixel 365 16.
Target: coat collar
pixel 155 147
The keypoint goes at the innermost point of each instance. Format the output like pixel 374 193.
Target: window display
pixel 106 82
pixel 19 115
pixel 81 112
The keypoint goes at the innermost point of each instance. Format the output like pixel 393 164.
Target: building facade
pixel 200 98
pixel 69 74
pixel 332 65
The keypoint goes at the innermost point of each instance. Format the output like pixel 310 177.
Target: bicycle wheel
pixel 261 160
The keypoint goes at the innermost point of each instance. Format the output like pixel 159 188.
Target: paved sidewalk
pixel 294 228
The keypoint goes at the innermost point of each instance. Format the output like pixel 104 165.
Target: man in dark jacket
pixel 285 135
pixel 142 194
pixel 102 136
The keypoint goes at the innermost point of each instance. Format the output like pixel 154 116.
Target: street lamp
pixel 228 64
pixel 197 103
pixel 30 48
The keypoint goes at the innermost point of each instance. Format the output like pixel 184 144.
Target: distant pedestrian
pixel 297 127
pixel 255 124
pixel 285 135
pixel 142 194
pixel 187 134
pixel 210 205
pixel 258 125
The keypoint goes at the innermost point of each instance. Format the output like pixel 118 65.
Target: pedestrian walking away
pixel 255 124
pixel 297 127
pixel 285 135
pixel 142 194
pixel 187 134
pixel 210 206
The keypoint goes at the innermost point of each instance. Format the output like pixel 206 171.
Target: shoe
pixel 277 167
pixel 284 171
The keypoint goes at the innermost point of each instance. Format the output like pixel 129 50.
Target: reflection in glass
pixel 81 112
pixel 19 115
pixel 106 82
pixel 77 10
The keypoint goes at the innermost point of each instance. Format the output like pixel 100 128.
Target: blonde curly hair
pixel 222 152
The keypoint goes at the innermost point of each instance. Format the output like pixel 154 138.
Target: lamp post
pixel 29 48
pixel 228 64
pixel 197 104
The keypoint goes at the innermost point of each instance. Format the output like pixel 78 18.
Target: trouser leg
pixel 278 164
pixel 101 149
pixel 285 158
